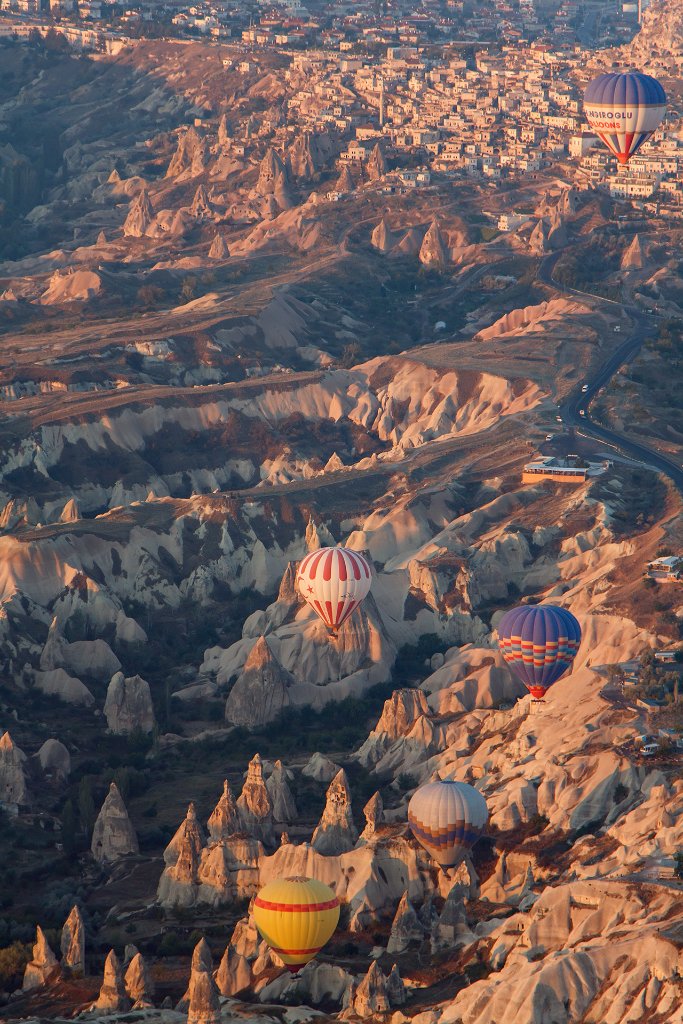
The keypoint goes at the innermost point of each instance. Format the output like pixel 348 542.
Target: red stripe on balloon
pixel 355 564
pixel 314 564
pixel 341 562
pixel 296 907
pixel 327 565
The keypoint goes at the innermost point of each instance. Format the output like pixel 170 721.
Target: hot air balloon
pixel 296 917
pixel 624 110
pixel 447 818
pixel 539 643
pixel 334 581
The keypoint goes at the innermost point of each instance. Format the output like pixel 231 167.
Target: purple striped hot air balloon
pixel 539 643
pixel 624 110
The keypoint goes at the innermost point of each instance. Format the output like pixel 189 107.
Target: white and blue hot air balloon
pixel 623 110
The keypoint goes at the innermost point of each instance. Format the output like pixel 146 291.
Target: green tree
pixel 13 960
pixel 69 827
pixel 350 354
pixel 150 296
pixel 188 290
pixel 615 674
pixel 678 859
pixel 86 805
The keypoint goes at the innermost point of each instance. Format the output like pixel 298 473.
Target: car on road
pixel 617 329
pixel 584 388
pixel 548 437
pixel 582 412
pixel 559 419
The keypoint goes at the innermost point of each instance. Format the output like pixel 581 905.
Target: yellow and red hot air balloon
pixel 334 581
pixel 296 917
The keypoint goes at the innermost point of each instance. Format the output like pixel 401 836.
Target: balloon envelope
pixel 447 818
pixel 624 110
pixel 334 581
pixel 539 643
pixel 296 917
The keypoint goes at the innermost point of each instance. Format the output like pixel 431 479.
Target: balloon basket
pixel 536 706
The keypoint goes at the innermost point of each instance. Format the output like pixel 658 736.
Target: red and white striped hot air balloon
pixel 334 581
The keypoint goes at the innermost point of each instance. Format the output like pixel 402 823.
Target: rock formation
pixel 128 707
pixel 140 216
pixel 433 251
pixel 557 232
pixel 288 590
pixel 374 817
pixel 633 258
pixel 84 657
pixel 300 157
pixel 189 836
pixel 42 967
pixel 404 723
pixel 190 155
pixel 202 997
pixel 382 238
pixel 396 990
pixel 270 168
pixel 320 768
pixel 254 806
pixel 70 513
pixel 372 995
pixel 284 807
pixel 218 250
pixel 451 928
pixel 318 536
pixel 538 239
pixel 282 192
pixel 569 202
pixel 200 207
pixel 405 927
pixel 202 961
pixel 335 832
pixel 204 1006
pixel 13 789
pixel 139 984
pixel 73 941
pixel 224 820
pixel 223 134
pixel 113 836
pixel 112 997
pixel 260 693
pixel 55 759
pixel 233 974
pixel 345 182
pixel 376 165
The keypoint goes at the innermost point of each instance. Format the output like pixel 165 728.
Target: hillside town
pixel 341 512
pixel 492 94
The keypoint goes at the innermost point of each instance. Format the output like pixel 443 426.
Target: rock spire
pixel 335 832
pixel 113 836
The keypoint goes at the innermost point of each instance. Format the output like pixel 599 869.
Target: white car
pixel 617 330
pixel 582 412
pixel 548 437
pixel 559 419
pixel 584 388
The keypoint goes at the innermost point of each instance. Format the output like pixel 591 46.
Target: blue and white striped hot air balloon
pixel 539 643
pixel 623 110
pixel 447 818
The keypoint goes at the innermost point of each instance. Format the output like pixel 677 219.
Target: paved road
pixel 575 409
